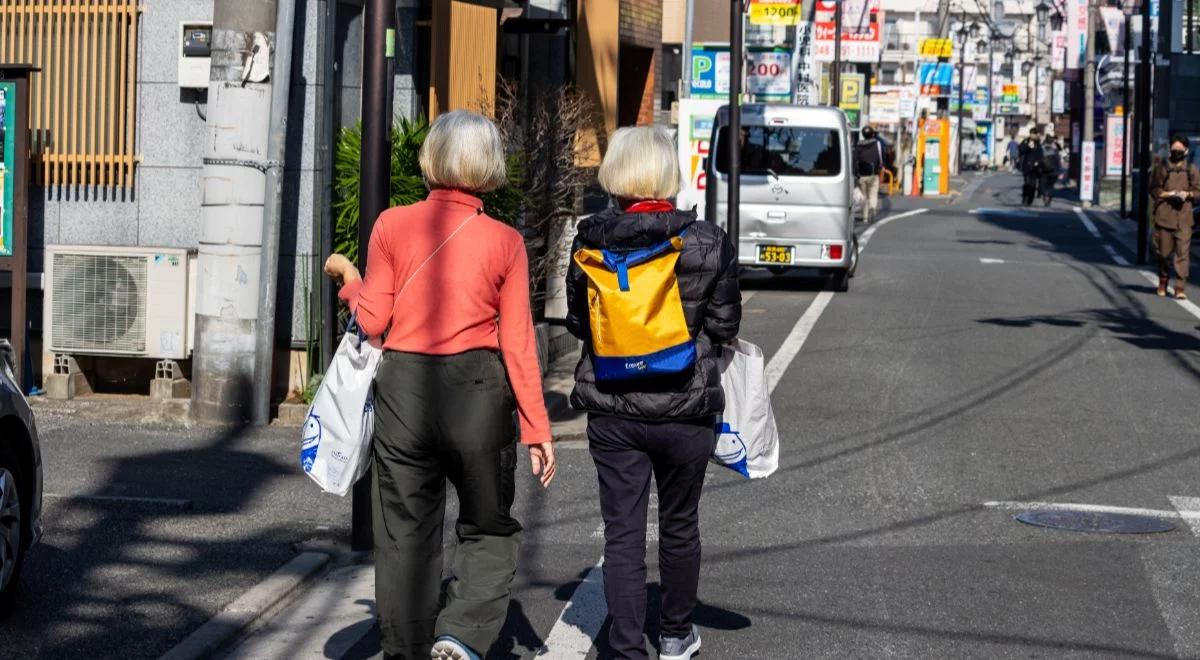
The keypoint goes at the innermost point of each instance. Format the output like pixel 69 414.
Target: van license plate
pixel 775 254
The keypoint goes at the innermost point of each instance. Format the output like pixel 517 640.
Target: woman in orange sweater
pixel 449 288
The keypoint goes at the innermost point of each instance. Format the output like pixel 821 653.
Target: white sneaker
pixel 679 648
pixel 449 648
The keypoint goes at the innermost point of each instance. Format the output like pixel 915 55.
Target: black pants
pixel 440 418
pixel 1029 188
pixel 626 452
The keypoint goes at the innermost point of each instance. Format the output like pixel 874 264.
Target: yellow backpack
pixel 635 311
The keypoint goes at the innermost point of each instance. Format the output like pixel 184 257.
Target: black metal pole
pixel 736 57
pixel 835 94
pixel 1141 190
pixel 327 302
pixel 1125 121
pixel 962 82
pixel 375 168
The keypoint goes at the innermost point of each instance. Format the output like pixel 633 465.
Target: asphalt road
pixel 150 531
pixel 984 353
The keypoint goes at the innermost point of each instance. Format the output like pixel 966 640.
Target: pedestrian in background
pixel 1012 157
pixel 1051 167
pixel 661 425
pixel 455 368
pixel 869 162
pixel 1174 186
pixel 1030 155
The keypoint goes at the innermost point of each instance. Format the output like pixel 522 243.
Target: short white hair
pixel 641 163
pixel 463 150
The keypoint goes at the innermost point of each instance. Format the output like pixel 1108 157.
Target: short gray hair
pixel 641 163
pixel 463 150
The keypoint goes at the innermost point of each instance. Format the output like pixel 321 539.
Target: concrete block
pixel 167 388
pixel 99 222
pixel 66 380
pixel 158 38
pixel 170 132
pixel 169 207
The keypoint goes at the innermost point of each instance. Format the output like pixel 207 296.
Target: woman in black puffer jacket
pixel 661 425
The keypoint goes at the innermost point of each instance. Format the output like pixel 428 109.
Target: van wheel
pixel 841 280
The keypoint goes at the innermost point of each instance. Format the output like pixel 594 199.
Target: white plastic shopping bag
pixel 747 439
pixel 335 447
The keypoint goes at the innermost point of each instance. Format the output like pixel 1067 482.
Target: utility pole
pixel 688 27
pixel 379 39
pixel 1127 44
pixel 962 82
pixel 1089 91
pixel 264 340
pixel 733 213
pixel 1142 187
pixel 835 94
pixel 234 184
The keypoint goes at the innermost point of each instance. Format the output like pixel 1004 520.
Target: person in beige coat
pixel 1174 186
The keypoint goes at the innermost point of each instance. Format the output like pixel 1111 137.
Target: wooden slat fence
pixel 83 103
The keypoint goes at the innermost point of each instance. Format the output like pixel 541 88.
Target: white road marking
pixel 989 260
pixel 1189 510
pixel 747 296
pixel 866 236
pixel 579 623
pixel 1186 304
pixel 1087 222
pixel 1088 508
pixel 1120 261
pixel 581 618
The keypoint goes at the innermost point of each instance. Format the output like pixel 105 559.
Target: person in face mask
pixel 1174 186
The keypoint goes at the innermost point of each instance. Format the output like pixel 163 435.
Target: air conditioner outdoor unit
pixel 136 302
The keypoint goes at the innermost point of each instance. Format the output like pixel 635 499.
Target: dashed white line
pixel 1189 510
pixel 990 260
pixel 1120 261
pixel 1186 304
pixel 1087 222
pixel 795 340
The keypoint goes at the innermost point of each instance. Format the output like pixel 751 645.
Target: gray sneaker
pixel 679 648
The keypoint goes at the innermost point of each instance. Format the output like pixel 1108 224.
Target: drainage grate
pixel 1096 522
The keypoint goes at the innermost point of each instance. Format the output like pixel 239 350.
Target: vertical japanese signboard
pixel 1087 172
pixel 8 98
pixel 806 84
pixel 1114 145
pixel 1077 23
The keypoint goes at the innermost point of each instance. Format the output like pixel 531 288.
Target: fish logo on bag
pixel 310 439
pixel 731 450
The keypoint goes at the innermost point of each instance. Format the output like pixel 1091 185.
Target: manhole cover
pixel 1096 522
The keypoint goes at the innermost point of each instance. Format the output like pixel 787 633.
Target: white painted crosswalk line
pixel 1189 510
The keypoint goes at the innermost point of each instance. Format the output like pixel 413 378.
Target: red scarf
pixel 650 206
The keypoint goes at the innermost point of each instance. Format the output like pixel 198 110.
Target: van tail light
pixel 835 252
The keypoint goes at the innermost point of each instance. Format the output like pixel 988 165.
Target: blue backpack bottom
pixel 668 361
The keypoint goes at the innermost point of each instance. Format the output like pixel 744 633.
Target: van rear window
pixel 783 150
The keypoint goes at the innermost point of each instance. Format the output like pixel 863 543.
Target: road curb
pixel 250 608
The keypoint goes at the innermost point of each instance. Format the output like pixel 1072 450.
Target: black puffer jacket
pixel 712 303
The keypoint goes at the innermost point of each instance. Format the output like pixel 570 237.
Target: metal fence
pixel 83 102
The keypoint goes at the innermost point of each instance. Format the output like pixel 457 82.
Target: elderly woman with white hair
pixel 448 287
pixel 661 425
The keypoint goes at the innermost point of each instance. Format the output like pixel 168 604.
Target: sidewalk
pixel 333 617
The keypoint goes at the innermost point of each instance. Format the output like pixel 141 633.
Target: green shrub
pixel 407 185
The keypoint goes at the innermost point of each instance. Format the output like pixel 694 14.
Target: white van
pixel 796 188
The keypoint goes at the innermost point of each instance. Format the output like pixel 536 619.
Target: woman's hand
pixel 543 461
pixel 340 268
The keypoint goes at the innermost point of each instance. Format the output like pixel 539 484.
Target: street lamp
pixel 1056 21
pixel 1026 67
pixel 973 31
pixel 982 45
pixel 1042 10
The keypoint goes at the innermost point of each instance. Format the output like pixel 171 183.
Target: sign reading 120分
pixel 8 133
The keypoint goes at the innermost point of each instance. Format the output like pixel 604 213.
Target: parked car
pixel 20 478
pixel 796 189
pixel 972 152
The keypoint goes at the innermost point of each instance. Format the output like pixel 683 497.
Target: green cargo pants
pixel 440 418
